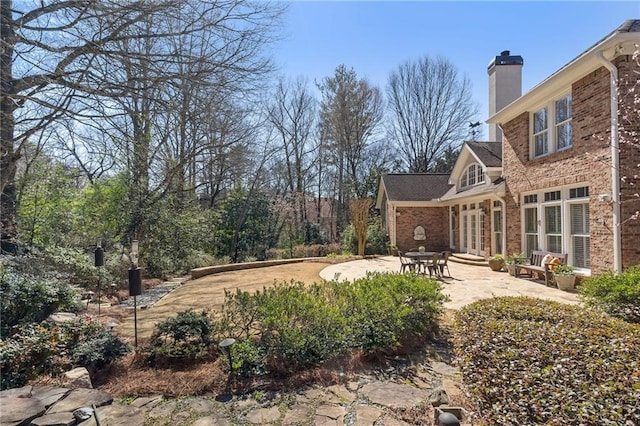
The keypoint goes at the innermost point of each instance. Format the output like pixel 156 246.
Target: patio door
pixel 472 230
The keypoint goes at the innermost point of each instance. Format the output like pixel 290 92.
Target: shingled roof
pixel 415 186
pixel 489 153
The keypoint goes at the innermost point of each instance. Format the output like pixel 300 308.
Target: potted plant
pixel 496 262
pixel 393 250
pixel 511 261
pixel 565 277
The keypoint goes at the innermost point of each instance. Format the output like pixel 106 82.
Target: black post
pixel 135 289
pixel 99 261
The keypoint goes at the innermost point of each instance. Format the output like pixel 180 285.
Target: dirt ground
pixel 208 293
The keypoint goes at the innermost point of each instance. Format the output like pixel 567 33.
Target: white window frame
pixel 473 175
pixel 552 132
pixel 565 203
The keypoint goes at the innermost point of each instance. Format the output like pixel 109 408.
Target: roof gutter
pixel 615 162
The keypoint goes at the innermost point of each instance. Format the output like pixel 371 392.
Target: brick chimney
pixel 505 86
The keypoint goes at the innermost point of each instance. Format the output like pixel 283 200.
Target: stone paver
pixel 394 395
pixel 469 283
pixel 367 415
pixel 262 416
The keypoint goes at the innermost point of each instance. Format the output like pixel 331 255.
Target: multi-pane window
pixel 540 132
pixel 552 129
pixel 564 131
pixel 472 175
pixel 497 231
pixel 553 228
pixel 580 235
pixel 530 230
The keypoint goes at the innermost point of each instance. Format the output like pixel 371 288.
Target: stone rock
pixel 78 398
pixel 211 421
pixel 61 317
pixel 49 395
pixel 19 410
pixel 77 378
pixel 330 415
pixel 444 369
pixel 23 392
pixel 439 397
pixel 147 401
pixel 394 395
pixel 366 415
pixel 342 393
pixel 262 416
pixel 298 414
pixel 164 410
pixel 201 405
pixel 58 419
pixel 120 415
pixel 83 413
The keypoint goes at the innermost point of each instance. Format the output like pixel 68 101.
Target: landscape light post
pixel 135 287
pixel 99 262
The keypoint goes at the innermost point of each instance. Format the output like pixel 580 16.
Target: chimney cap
pixel 505 58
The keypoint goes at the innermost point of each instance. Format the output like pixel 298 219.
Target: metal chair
pixel 405 263
pixel 433 265
pixel 444 263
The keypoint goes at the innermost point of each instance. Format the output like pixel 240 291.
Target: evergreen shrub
pixel 529 361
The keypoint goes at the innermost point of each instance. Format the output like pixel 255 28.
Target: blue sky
pixel 375 37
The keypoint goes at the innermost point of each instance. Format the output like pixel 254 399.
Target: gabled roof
pixel 621 41
pixel 489 153
pixel 413 186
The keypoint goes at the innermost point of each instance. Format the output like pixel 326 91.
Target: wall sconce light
pixel 397 214
pixel 604 198
pixel 484 210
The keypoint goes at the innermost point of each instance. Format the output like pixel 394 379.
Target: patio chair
pixel 405 263
pixel 444 263
pixel 433 265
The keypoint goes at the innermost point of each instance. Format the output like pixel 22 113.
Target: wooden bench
pixel 535 266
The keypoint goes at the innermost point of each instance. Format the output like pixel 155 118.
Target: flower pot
pixel 511 269
pixel 496 264
pixel 565 282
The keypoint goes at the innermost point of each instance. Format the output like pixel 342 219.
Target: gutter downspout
pixel 615 163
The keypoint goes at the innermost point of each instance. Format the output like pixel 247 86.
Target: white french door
pixel 472 231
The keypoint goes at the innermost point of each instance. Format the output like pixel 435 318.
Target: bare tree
pixel 92 60
pixel 292 113
pixel 351 111
pixel 430 106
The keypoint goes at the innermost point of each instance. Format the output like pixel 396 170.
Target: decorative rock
pixel 61 317
pixel 394 395
pixel 81 398
pixel 439 397
pixel 77 378
pixel 19 410
pixel 329 415
pixel 49 395
pixel 298 414
pixel 448 419
pixel 262 416
pixel 120 415
pixel 58 419
pixel 23 392
pixel 147 401
pixel 211 421
pixel 366 415
pixel 83 413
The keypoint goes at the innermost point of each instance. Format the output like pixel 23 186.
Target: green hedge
pixel 292 326
pixel 618 295
pixel 529 361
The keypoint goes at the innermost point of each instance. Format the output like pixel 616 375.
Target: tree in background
pixel 350 113
pixel 430 106
pixel 360 217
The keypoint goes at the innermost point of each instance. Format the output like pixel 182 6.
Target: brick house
pixel 570 158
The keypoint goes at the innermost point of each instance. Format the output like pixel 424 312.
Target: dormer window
pixel 473 175
pixel 551 129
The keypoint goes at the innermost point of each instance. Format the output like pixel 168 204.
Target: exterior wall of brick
pixel 587 162
pixel 434 220
pixel 629 119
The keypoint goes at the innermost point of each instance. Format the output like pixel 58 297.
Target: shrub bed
pixel 529 361
pixel 292 326
pixel 618 295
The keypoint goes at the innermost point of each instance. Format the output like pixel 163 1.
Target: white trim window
pixel 472 175
pixel 558 221
pixel 551 128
